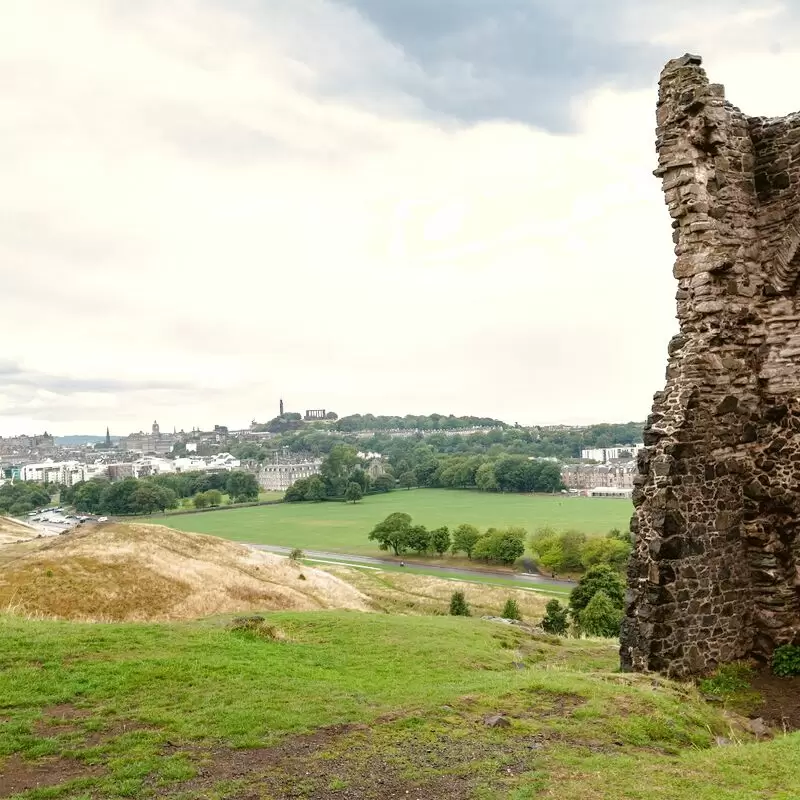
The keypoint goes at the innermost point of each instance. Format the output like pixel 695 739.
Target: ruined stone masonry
pixel 715 574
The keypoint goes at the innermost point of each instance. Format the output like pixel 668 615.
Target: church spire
pixel 108 437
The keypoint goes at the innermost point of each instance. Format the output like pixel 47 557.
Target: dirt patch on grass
pixel 61 718
pixel 402 758
pixel 18 775
pixel 149 572
pixel 780 704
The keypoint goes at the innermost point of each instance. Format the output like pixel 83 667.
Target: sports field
pixel 343 527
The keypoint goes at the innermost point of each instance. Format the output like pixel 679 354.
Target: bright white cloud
pixel 183 205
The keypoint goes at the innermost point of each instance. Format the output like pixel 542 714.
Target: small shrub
pixel 511 610
pixel 301 577
pixel 727 680
pixel 556 618
pixel 786 661
pixel 458 605
pixel 256 627
pixel 296 554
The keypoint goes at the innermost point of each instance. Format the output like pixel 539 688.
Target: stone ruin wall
pixel 715 573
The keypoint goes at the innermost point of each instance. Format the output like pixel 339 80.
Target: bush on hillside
pixel 458 605
pixel 598 578
pixel 297 554
pixel 511 610
pixel 556 618
pixel 600 617
pixel 786 661
pixel 573 551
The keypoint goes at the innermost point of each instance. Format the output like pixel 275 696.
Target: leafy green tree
pixel 392 533
pixel 200 500
pixel 485 479
pixel 483 549
pixel 407 479
pixel 511 610
pixel 556 618
pixel 613 552
pixel 296 554
pixel 510 545
pixel 296 493
pixel 601 617
pixel 603 578
pixel 20 508
pixel 359 476
pixel 440 540
pixel 572 543
pixel 458 605
pixel 241 486
pixel 500 546
pixel 214 497
pixel 353 493
pixel 316 490
pixel 384 483
pixel 336 466
pixel 419 539
pixel 464 539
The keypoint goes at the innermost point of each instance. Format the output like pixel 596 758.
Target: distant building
pixel 222 462
pixel 63 473
pixel 619 452
pixel 280 476
pixel 608 491
pixel 153 442
pixel 118 472
pixel 314 414
pixel 583 477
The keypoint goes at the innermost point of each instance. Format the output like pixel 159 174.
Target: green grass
pixel 172 710
pixel 343 527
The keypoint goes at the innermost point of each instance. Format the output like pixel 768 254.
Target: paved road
pixel 527 577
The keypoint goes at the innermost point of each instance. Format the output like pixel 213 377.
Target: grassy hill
pixel 148 572
pixel 347 705
pixel 343 527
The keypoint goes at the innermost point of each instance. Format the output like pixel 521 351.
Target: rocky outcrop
pixel 715 573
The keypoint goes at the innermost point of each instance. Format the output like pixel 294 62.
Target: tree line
pixel 424 422
pixel 159 492
pixel 406 452
pixel 343 476
pixel 398 534
pixel 560 552
pixel 20 497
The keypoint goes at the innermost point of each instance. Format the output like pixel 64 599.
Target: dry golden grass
pixel 149 572
pixel 421 594
pixel 12 531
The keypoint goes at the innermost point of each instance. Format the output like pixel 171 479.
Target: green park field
pixel 343 527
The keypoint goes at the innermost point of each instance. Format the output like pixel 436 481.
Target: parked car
pixel 102 519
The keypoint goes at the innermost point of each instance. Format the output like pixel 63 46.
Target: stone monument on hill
pixel 715 573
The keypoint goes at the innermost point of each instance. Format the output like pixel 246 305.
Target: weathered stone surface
pixel 715 574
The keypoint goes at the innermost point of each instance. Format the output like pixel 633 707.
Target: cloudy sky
pixel 395 206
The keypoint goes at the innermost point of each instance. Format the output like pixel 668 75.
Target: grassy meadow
pixel 353 705
pixel 343 527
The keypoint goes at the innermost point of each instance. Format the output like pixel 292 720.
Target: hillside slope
pixel 360 707
pixel 12 531
pixel 148 572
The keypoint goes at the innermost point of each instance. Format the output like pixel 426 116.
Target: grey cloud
pixel 517 60
pixel 513 60
pixel 12 375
